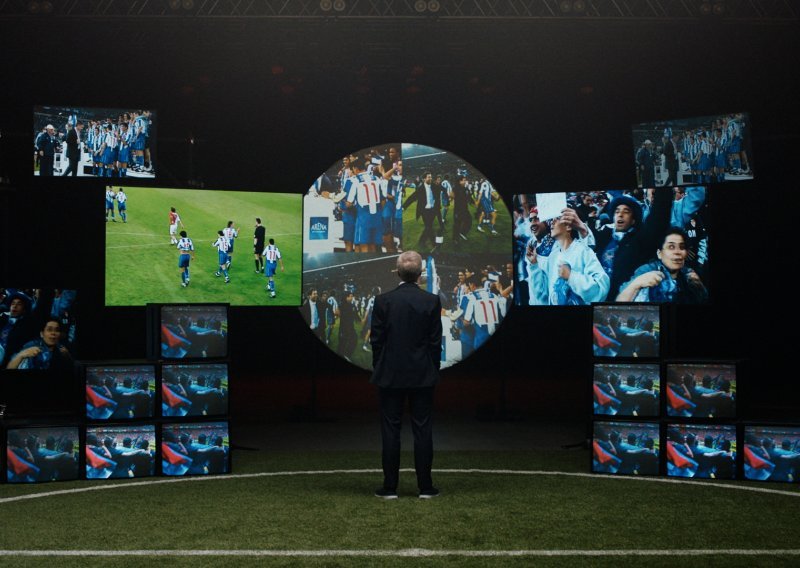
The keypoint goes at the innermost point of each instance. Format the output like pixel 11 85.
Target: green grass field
pixel 476 242
pixel 478 511
pixel 142 265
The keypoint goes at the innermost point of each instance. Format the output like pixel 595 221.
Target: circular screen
pixel 375 203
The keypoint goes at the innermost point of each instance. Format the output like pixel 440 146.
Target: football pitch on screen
pixel 142 264
pixel 317 509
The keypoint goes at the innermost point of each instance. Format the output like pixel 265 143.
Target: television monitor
pixel 35 455
pixel 702 451
pixel 120 451
pixel 685 151
pixel 38 329
pixel 119 392
pixel 197 448
pixel 701 390
pixel 194 390
pixel 665 253
pixel 187 331
pixel 626 448
pixel 626 389
pixel 94 142
pixel 152 223
pixel 626 331
pixel 772 453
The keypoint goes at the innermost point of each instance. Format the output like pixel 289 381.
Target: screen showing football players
pixel 94 142
pixel 238 247
pixel 688 151
pixel 380 201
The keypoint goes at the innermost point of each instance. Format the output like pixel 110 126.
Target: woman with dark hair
pixel 666 279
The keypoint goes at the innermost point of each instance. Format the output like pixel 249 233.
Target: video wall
pixel 362 212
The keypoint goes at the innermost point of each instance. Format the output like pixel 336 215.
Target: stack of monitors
pixel 191 340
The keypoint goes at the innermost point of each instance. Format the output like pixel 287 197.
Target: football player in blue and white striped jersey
pixel 186 254
pixel 222 245
pixel 272 256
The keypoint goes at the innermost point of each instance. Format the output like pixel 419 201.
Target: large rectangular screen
pixel 94 142
pixel 164 245
pixel 698 150
pixel 578 248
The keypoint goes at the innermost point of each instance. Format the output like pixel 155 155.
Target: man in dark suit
pixel 428 197
pixel 314 313
pixel 73 149
pixel 671 160
pixel 406 337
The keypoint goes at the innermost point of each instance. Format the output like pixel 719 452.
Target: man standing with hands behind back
pixel 406 338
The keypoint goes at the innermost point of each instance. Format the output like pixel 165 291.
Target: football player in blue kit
pixel 186 254
pixel 221 244
pixel 272 256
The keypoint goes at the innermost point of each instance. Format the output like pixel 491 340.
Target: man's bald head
pixel 409 266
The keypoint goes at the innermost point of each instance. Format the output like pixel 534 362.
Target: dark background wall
pixel 536 106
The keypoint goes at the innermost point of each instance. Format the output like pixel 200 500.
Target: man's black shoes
pixel 429 493
pixel 384 493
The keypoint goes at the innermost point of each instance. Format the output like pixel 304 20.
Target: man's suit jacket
pixel 406 338
pixel 72 144
pixel 421 197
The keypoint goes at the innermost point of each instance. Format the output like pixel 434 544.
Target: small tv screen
pixel 626 389
pixel 38 329
pixel 625 448
pixel 566 244
pixel 35 455
pixel 190 331
pixel 701 451
pixel 685 151
pixel 701 390
pixel 200 448
pixel 626 331
pixel 120 451
pixel 772 453
pixel 120 392
pixel 175 233
pixel 194 390
pixel 94 142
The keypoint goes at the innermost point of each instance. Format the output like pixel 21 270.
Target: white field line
pixel 160 481
pixel 409 553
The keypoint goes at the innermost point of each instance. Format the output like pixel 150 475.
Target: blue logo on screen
pixel 318 229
